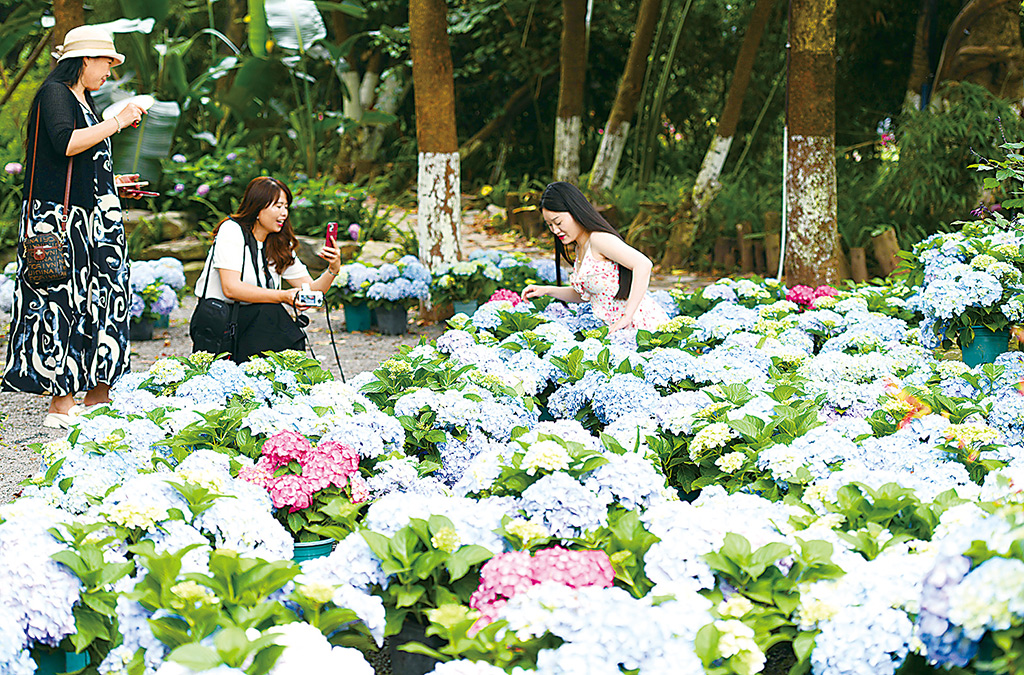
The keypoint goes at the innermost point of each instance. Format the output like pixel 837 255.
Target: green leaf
pixel 258 29
pixel 378 543
pixel 196 657
pixel 467 556
pixel 407 596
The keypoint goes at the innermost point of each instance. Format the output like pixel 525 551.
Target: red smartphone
pixel 332 235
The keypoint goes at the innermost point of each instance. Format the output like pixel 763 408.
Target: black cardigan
pixel 62 114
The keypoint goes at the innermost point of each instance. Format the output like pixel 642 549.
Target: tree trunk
pixel 234 31
pixel 392 91
pixel 606 164
pixel 920 61
pixel 438 223
pixel 707 186
pixel 984 47
pixel 67 14
pixel 811 233
pixel 568 122
pixel 348 71
pixel 371 78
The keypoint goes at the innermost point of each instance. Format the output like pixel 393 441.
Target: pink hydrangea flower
pixel 505 294
pixel 360 489
pixel 800 294
pixel 256 474
pixel 344 456
pixel 503 576
pixel 574 569
pixel 292 491
pixel 285 446
pixel 825 290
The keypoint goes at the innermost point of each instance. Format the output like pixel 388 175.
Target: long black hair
pixel 565 197
pixel 66 72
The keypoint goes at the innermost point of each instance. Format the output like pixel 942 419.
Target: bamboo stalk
pixel 659 96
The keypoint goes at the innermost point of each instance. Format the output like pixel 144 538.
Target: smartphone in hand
pixel 332 235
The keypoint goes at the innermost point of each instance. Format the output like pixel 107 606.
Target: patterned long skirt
pixel 69 337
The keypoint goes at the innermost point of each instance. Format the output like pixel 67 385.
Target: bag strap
pixel 209 270
pixel 64 215
pixel 250 243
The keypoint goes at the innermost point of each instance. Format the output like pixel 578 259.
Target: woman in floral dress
pixel 608 273
pixel 73 336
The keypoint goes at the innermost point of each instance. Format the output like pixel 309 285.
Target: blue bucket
pixel 986 346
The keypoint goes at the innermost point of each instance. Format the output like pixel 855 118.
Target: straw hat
pixel 88 41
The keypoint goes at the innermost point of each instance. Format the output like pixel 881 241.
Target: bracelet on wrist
pixel 118 124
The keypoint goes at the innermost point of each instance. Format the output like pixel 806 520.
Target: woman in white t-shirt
pixel 263 214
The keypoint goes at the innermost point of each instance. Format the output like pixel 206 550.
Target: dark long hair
pixel 565 197
pixel 260 193
pixel 66 72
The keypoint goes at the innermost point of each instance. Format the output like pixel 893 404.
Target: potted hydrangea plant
pixel 317 490
pixel 399 287
pixel 349 290
pixel 155 285
pixel 969 287
pixel 465 283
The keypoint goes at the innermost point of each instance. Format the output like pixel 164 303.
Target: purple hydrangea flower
pixel 203 190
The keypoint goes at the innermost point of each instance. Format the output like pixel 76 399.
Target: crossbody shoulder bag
pixel 46 257
pixel 214 323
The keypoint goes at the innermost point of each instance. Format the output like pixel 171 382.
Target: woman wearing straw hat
pixel 72 336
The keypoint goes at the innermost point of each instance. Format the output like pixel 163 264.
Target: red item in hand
pixel 332 235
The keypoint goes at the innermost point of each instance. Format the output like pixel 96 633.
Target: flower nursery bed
pixel 777 480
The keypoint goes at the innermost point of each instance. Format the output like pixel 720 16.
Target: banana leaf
pixel 139 150
pixel 294 24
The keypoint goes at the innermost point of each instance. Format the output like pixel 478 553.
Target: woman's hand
pixel 533 291
pixel 624 322
pixel 130 115
pixel 126 179
pixel 332 254
pixel 288 298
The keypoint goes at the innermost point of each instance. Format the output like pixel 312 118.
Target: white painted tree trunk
pixel 609 153
pixel 707 186
pixel 811 204
pixel 567 148
pixel 352 107
pixel 368 89
pixel 439 211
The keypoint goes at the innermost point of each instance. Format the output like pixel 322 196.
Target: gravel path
pixel 21 415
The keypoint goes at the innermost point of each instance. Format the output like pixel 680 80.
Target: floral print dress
pixel 71 336
pixel 597 282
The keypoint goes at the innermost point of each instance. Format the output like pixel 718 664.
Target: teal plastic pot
pixel 467 307
pixel 140 330
pixel 308 550
pixel 53 661
pixel 393 320
pixel 162 321
pixel 986 346
pixel 357 317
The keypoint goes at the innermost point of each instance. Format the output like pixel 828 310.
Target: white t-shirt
pixel 229 253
